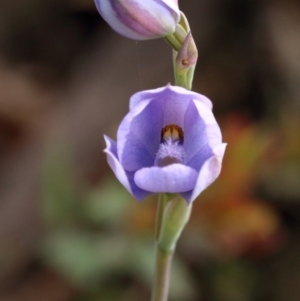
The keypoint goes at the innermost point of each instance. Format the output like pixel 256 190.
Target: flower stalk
pixel 163 263
pixel 172 217
pixel 185 53
pixel 175 216
pixel 163 260
pixel 162 199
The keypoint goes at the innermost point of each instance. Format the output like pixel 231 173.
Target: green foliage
pixel 61 200
pixel 107 203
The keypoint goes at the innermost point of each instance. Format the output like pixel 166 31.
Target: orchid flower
pixel 168 142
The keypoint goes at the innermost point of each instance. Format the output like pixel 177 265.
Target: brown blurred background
pixel 69 231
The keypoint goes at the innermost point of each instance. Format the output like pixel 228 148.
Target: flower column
pixel 169 142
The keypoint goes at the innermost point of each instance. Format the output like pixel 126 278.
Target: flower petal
pixel 196 144
pixel 208 173
pixel 126 179
pixel 111 151
pixel 172 178
pixel 138 97
pixel 185 95
pixel 172 104
pixel 212 128
pixel 191 95
pixel 140 19
pixel 139 136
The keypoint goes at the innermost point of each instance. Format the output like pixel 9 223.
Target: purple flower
pixel 140 19
pixel 168 142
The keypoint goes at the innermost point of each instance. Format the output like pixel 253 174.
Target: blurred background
pixel 69 231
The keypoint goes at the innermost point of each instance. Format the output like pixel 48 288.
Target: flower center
pixel 171 147
pixel 172 131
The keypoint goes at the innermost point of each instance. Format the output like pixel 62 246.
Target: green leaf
pixel 60 198
pixel 107 203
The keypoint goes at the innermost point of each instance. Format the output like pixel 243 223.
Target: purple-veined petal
pixel 172 104
pixel 212 128
pixel 138 193
pixel 140 19
pixel 111 151
pixel 139 136
pixel 138 97
pixel 156 93
pixel 196 144
pixel 172 178
pixel 208 173
pixel 173 4
pixel 191 95
pixel 125 178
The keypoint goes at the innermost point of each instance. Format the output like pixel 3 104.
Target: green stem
pixel 171 40
pixel 160 288
pixel 159 214
pixel 179 78
pixel 163 259
pixel 172 216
